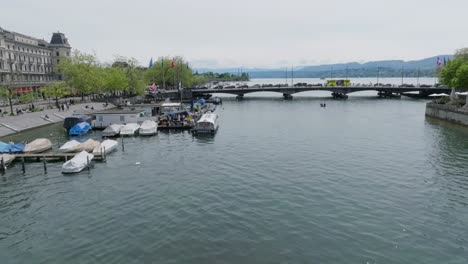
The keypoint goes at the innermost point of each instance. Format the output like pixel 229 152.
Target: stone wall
pixel 448 112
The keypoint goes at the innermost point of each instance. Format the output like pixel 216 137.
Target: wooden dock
pixel 55 156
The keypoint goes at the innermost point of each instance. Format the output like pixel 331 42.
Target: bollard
pixel 45 165
pixel 23 167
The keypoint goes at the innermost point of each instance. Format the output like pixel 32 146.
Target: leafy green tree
pixel 26 98
pixel 163 74
pixel 56 90
pixel 115 80
pixel 81 72
pixel 7 94
pixel 455 72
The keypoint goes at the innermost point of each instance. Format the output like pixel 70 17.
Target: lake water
pixel 364 180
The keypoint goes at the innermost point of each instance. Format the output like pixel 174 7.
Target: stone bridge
pixel 337 91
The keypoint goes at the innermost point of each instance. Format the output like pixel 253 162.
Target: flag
pixel 173 63
pixel 150 63
pixel 439 62
pixel 153 88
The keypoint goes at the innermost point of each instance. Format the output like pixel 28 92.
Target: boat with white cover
pixel 148 128
pixel 107 146
pixel 89 145
pixel 112 130
pixel 37 146
pixel 77 163
pixel 7 159
pixel 69 146
pixel 208 124
pixel 129 129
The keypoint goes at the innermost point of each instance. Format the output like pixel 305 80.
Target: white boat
pixel 88 146
pixel 208 123
pixel 129 129
pixel 107 146
pixel 69 146
pixel 7 159
pixel 148 128
pixel 77 163
pixel 112 130
pixel 38 146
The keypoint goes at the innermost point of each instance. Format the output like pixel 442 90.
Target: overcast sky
pixel 248 33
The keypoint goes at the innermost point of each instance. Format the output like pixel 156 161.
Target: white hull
pixel 7 159
pixel 112 130
pixel 77 163
pixel 129 129
pixel 107 145
pixel 148 128
pixel 69 146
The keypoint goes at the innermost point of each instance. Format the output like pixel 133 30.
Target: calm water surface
pixel 364 180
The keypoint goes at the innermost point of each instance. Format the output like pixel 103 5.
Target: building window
pixel 58 53
pixel 122 118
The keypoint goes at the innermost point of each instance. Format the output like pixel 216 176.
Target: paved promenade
pixel 14 124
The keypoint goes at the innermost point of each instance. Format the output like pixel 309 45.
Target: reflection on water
pixel 360 181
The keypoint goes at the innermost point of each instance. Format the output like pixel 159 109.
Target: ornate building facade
pixel 27 63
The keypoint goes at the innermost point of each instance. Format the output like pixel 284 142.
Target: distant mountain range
pixel 385 68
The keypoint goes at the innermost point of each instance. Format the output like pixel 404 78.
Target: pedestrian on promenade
pixel 63 108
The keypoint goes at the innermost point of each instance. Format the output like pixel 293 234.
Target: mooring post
pixel 123 147
pixel 87 159
pixel 23 166
pixel 45 164
pixel 3 165
pixel 104 154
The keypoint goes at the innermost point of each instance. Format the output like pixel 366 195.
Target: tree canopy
pixel 455 73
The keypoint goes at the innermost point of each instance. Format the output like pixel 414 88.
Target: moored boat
pixel 69 146
pixel 112 130
pixel 11 148
pixel 148 128
pixel 7 159
pixel 107 146
pixel 37 146
pixel 79 129
pixel 77 163
pixel 87 146
pixel 208 123
pixel 129 129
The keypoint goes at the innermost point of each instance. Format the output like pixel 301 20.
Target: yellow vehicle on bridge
pixel 338 83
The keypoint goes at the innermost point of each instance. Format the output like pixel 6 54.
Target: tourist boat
pixel 107 146
pixel 79 129
pixel 69 146
pixel 148 128
pixel 208 123
pixel 11 148
pixel 38 146
pixel 77 163
pixel 6 159
pixel 129 129
pixel 112 130
pixel 87 146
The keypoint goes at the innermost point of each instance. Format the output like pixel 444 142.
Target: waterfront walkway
pixel 14 124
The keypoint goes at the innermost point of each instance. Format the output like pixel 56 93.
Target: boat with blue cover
pixel 11 148
pixel 79 129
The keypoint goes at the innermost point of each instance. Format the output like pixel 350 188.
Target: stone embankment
pixel 450 113
pixel 14 124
